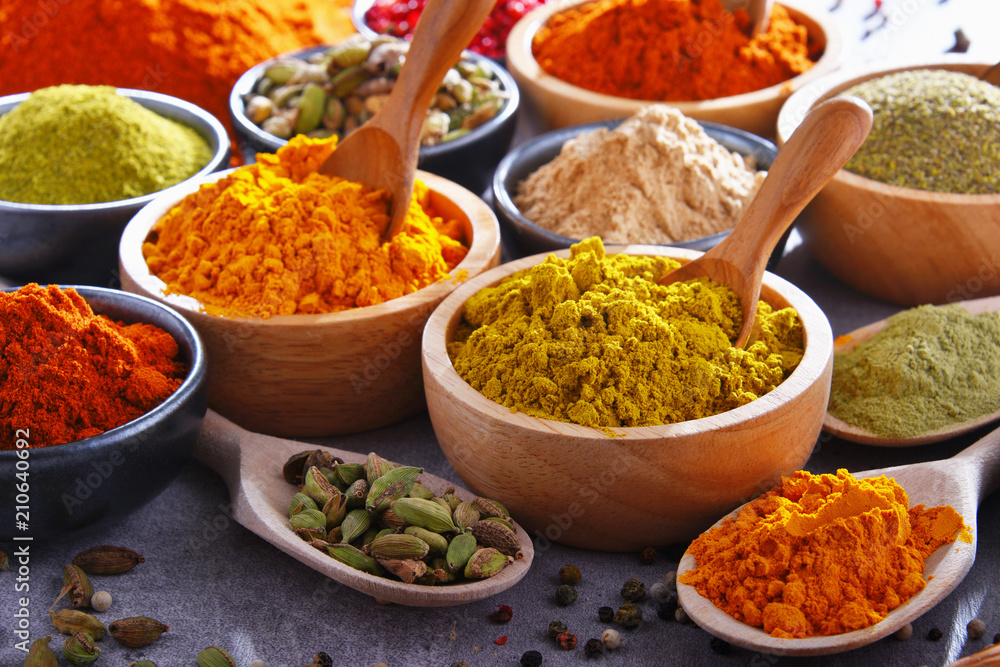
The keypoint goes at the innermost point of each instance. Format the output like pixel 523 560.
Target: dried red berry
pixel 502 614
pixel 500 641
pixel 567 642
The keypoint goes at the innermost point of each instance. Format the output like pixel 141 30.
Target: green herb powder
pixel 929 368
pixel 87 144
pixel 934 130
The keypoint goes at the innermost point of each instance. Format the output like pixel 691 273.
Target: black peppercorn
pixel 629 615
pixel 719 646
pixel 556 628
pixel 322 660
pixel 606 614
pixel 531 659
pixel 935 634
pixel 648 556
pixel 502 614
pixel 666 609
pixel 569 574
pixel 565 595
pixel 996 638
pixel 634 590
pixel 593 647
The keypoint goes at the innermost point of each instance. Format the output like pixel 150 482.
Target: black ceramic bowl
pixel 527 158
pixel 36 236
pixel 99 480
pixel 468 160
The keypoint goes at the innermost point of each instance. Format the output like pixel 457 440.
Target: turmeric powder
pixel 670 50
pixel 820 554
pixel 596 341
pixel 278 238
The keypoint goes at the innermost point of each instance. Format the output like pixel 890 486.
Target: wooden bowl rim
pixel 521 62
pixel 803 100
pixel 484 246
pixel 817 356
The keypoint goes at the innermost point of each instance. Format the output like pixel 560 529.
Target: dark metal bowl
pixel 533 154
pixel 99 480
pixel 36 236
pixel 468 160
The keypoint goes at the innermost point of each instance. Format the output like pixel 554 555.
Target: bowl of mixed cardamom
pixel 330 90
pixel 914 216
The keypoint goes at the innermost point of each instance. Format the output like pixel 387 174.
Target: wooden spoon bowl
pixel 623 489
pixel 318 375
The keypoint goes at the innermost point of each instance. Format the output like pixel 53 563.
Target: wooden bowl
pixel 895 243
pixel 623 489
pixel 318 375
pixel 560 104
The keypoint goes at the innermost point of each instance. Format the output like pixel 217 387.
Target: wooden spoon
pixel 382 153
pixel 758 10
pixel 961 481
pixel 842 429
pixel 251 465
pixel 819 147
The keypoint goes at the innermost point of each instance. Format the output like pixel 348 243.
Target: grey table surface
pixel 216 583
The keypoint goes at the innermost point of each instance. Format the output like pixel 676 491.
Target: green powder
pixel 930 367
pixel 934 130
pixel 87 144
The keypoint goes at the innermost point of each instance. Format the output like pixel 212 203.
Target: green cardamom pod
pixel 107 559
pixel 213 656
pixel 357 493
pixel 308 519
pixel 489 507
pixel 384 531
pixel 300 501
pixel 335 510
pixel 350 52
pixel 79 649
pixel 370 535
pixel 399 547
pixel 439 568
pixel 40 654
pixel 392 485
pixel 443 503
pixel 318 487
pixel 438 543
pixel 506 523
pixel 408 570
pixel 498 536
pixel 376 466
pixel 354 557
pixel 486 563
pixel 424 513
pixel 356 524
pixel 68 621
pixel 460 550
pixel 390 521
pixel 420 491
pixel 348 473
pixel 136 631
pixel 466 514
pixel 77 585
pixel 452 500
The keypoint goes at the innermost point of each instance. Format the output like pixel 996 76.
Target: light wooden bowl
pixel 318 375
pixel 900 244
pixel 624 489
pixel 560 104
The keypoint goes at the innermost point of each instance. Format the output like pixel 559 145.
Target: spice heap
pixel 656 178
pixel 376 517
pixel 337 90
pixel 88 144
pixel 670 50
pixel 278 238
pixel 69 374
pixel 400 18
pixel 933 130
pixel 930 367
pixel 820 554
pixel 192 49
pixel 596 341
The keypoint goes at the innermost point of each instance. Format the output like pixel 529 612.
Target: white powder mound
pixel 656 178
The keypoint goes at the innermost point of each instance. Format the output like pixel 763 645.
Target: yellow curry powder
pixel 278 238
pixel 820 554
pixel 594 340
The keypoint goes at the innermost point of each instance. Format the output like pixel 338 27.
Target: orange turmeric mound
pixel 278 238
pixel 820 554
pixel 670 50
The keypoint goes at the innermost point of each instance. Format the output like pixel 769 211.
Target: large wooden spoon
pixel 815 152
pixel 961 481
pixel 842 429
pixel 758 10
pixel 251 464
pixel 992 75
pixel 382 153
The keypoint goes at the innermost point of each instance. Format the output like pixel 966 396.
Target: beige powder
pixel 656 178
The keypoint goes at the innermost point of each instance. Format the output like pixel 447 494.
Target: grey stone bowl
pixel 79 486
pixel 36 236
pixel 468 160
pixel 528 157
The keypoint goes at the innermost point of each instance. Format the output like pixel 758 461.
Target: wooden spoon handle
pixel 760 14
pixel 992 75
pixel 984 456
pixel 218 447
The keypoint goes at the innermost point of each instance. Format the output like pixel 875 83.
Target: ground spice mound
pixel 670 50
pixel 278 238
pixel 68 374
pixel 820 554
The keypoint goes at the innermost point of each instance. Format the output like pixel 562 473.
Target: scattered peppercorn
pixel 658 592
pixel 718 646
pixel 567 642
pixel 935 634
pixel 593 648
pixel 606 614
pixel 629 615
pixel 569 574
pixel 904 632
pixel 500 641
pixel 634 590
pixel 566 595
pixel 667 609
pixel 996 638
pixel 531 659
pixel 611 639
pixel 322 659
pixel 557 628
pixel 670 579
pixel 502 614
pixel 976 629
pixel 648 556
pixel 101 601
pixel 681 616
pixel 454 664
